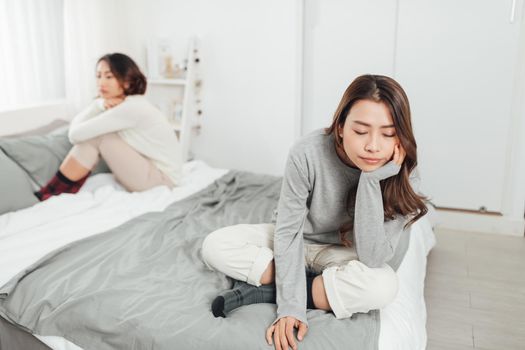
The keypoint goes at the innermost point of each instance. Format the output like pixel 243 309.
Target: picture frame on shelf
pixel 162 62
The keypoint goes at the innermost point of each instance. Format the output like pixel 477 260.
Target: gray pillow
pixel 41 155
pixel 15 186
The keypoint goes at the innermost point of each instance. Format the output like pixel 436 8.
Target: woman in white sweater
pixel 123 128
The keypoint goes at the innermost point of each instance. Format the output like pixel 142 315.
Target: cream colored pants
pixel 243 252
pixel 134 171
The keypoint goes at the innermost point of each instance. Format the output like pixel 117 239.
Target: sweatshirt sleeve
pixel 375 239
pixel 96 107
pixel 290 276
pixel 123 116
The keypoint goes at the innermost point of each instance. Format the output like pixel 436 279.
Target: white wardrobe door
pixel 342 40
pixel 456 60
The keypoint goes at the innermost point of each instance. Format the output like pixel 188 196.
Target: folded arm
pixel 86 126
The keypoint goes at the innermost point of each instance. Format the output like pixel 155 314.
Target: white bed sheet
pixel 103 204
pixel 403 322
pixel 29 234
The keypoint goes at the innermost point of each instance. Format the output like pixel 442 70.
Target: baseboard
pixel 482 223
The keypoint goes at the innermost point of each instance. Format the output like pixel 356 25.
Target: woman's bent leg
pixel 354 287
pixel 347 285
pixel 73 171
pixel 133 170
pixel 83 155
pixel 242 252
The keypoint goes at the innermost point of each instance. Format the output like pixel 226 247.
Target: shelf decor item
pixel 162 60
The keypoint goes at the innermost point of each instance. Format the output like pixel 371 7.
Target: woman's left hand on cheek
pixel 389 169
pixel 399 154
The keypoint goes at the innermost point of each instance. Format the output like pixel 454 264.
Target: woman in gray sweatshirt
pixel 348 194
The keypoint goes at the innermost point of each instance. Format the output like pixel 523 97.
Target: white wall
pixel 249 66
pixel 340 46
pixel 248 53
pixel 250 69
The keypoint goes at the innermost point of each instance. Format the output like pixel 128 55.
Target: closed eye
pixel 364 133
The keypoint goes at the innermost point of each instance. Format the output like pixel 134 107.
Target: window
pixel 31 52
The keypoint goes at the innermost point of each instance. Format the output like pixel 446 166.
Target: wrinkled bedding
pixel 143 285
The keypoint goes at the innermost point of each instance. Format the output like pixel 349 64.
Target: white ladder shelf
pixel 190 116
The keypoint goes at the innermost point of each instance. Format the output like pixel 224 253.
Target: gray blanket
pixel 143 284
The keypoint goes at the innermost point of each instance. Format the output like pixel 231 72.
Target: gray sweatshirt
pixel 313 207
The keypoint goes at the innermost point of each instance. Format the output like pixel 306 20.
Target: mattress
pixel 102 204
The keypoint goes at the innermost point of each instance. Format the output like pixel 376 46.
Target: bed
pixel 54 285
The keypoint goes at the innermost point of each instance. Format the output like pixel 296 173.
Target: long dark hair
pixel 126 72
pixel 398 195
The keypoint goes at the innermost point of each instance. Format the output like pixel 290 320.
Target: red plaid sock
pixel 60 184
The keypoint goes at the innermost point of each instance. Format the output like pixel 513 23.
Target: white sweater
pixel 139 124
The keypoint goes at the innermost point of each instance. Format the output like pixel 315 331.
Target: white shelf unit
pixel 190 116
pixel 177 82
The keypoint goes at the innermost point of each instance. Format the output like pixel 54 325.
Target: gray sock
pixel 241 294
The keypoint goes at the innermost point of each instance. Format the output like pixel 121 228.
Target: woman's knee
pixel 109 138
pixel 214 246
pixel 357 288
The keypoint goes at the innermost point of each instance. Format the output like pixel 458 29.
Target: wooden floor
pixel 475 292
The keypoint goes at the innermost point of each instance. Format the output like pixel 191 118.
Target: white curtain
pixel 31 52
pixel 48 49
pixel 92 28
